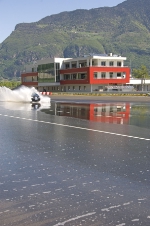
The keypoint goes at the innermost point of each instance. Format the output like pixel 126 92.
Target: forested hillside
pixel 123 29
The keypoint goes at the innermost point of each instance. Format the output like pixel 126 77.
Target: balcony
pixel 77 76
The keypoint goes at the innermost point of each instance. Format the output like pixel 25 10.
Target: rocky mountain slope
pixel 123 29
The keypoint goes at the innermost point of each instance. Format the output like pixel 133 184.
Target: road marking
pixel 73 219
pixel 77 127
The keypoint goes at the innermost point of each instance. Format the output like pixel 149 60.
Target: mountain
pixel 123 29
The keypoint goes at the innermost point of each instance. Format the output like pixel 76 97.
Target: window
pixel 100 87
pixel 68 87
pixel 82 76
pixel 67 66
pixel 82 64
pixel 46 73
pixel 103 63
pixel 111 63
pixel 45 67
pixel 57 72
pixel 79 87
pixel 103 74
pixel 103 109
pixel 74 65
pixel 111 109
pixel 57 66
pixel 95 75
pixel 119 75
pixel 111 74
pixel 73 87
pixel 94 62
pixel 74 76
pixel 32 69
pixel 84 87
pixel 119 64
pixel 66 77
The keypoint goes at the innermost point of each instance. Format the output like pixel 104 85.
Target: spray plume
pixel 20 94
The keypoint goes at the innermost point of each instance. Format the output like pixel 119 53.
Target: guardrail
pixel 100 93
pixel 46 93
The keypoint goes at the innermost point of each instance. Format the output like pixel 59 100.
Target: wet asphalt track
pixel 66 171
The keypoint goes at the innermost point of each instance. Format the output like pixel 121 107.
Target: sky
pixel 13 12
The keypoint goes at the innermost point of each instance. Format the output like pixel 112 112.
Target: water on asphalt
pixel 71 164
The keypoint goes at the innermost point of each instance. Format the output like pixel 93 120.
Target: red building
pixel 84 74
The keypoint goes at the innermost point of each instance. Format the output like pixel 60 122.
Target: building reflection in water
pixel 107 113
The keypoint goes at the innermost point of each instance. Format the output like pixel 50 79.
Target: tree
pixel 142 72
pixel 10 84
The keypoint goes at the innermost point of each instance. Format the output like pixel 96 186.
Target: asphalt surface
pixel 100 99
pixel 58 170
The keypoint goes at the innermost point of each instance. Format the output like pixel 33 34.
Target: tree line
pixel 10 84
pixel 141 72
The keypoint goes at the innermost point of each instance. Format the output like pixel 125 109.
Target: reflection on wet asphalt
pixel 55 174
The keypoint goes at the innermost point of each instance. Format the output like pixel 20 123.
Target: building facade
pixel 83 74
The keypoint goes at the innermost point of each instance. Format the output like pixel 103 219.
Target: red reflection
pixel 107 113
